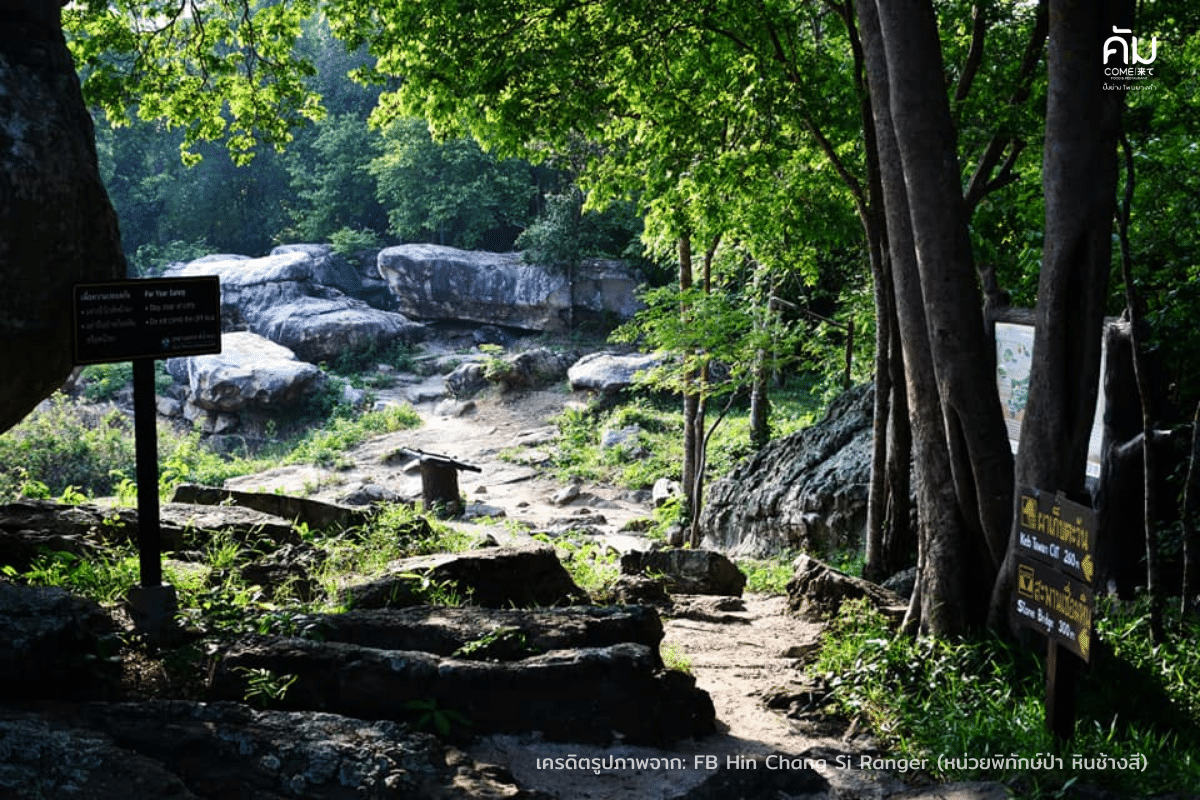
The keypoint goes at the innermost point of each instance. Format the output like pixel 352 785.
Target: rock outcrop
pixel 493 634
pixel 177 750
pixel 817 591
pixel 281 297
pixel 687 571
pixel 496 577
pixel 356 276
pixel 584 694
pixel 807 491
pixel 610 373
pixel 52 643
pixel 432 282
pixel 57 227
pixel 250 372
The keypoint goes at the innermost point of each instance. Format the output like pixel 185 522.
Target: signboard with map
pixel 1014 356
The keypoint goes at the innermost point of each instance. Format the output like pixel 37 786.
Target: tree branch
pixel 974 56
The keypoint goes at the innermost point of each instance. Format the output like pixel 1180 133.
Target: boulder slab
pixel 281 297
pixel 584 694
pixel 504 634
pixel 250 372
pixel 807 491
pixel 817 590
pixel 687 571
pixel 610 373
pixel 433 282
pixel 494 577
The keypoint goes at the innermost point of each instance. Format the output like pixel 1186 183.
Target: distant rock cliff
pixel 432 282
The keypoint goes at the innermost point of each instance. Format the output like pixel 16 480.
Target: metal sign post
pixel 140 321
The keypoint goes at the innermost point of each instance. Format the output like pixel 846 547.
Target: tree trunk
pixel 980 458
pixel 938 606
pixel 58 227
pixel 691 396
pixel 1145 400
pixel 1079 181
pixel 1190 512
pixel 899 540
pixel 698 437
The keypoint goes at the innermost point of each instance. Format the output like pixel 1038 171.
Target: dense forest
pixel 344 180
pixel 807 172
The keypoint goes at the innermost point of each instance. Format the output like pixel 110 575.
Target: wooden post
pixel 439 481
pixel 439 486
pixel 1062 672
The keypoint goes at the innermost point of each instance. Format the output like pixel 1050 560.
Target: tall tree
pixel 1080 182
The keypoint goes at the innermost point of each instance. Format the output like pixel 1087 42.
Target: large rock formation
pixel 57 227
pixel 432 282
pixel 355 275
pixel 805 491
pixel 610 373
pixel 249 372
pixel 282 297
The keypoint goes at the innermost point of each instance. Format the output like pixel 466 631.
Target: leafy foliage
pixel 218 70
pixel 450 193
pixel 934 697
pixel 60 445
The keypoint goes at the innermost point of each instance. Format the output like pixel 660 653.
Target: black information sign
pixel 1055 542
pixel 147 318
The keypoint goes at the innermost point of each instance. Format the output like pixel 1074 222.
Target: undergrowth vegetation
pixel 85 450
pixel 636 442
pixel 983 698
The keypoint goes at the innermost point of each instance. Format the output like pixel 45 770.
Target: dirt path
pixel 739 654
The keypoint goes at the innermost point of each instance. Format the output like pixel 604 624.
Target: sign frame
pixel 146 318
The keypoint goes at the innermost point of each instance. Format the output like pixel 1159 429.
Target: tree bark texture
pixel 939 605
pixel 980 458
pixel 58 227
pixel 1079 181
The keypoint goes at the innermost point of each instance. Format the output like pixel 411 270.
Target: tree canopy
pixel 792 156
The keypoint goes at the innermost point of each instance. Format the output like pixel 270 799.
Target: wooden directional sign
pixel 1055 605
pixel 1055 542
pixel 147 318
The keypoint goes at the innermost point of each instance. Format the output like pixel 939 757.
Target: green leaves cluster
pixel 217 69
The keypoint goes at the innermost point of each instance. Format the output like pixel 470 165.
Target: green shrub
pixel 102 382
pixel 926 698
pixel 61 444
pixel 767 575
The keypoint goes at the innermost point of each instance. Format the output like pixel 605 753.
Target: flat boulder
pixel 45 758
pixel 51 643
pixel 281 298
pixel 588 694
pixel 687 571
pixel 316 514
pixel 610 373
pixel 817 590
pixel 180 749
pixel 250 372
pixel 501 634
pixel 437 283
pixel 494 577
